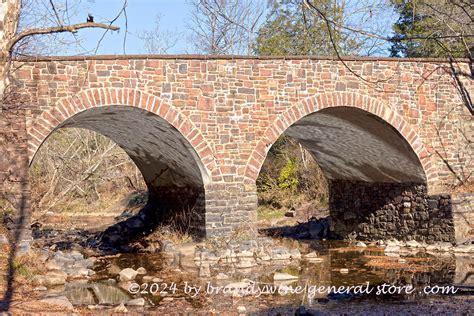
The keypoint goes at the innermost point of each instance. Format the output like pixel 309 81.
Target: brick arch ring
pixel 320 101
pixel 67 107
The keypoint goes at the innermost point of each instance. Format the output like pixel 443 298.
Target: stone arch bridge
pixel 387 133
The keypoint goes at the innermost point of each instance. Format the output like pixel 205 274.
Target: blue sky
pixel 141 16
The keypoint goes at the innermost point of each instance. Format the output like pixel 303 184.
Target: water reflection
pixel 341 265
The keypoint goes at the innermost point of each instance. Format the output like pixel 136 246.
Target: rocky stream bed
pixel 247 276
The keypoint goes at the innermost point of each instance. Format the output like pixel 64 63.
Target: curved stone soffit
pixel 335 99
pixel 50 119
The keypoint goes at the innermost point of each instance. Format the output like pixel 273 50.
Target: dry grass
pixel 171 233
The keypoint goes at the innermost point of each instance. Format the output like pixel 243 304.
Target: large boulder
pixel 127 274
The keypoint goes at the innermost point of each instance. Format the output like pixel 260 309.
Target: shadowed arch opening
pixel 352 144
pixel 376 182
pixel 171 168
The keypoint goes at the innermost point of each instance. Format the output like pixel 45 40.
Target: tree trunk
pixel 9 14
pixel 14 186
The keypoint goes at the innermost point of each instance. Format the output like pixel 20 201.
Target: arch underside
pixel 352 144
pixel 171 168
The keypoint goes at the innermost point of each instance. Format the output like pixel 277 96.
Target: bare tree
pixel 451 35
pixel 158 40
pixel 225 26
pixel 38 18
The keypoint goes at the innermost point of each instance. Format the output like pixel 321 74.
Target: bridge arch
pixel 376 166
pixel 172 155
pixel 321 102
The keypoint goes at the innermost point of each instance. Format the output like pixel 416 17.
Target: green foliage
pixel 22 269
pixel 288 176
pixel 293 30
pixel 5 209
pixel 423 28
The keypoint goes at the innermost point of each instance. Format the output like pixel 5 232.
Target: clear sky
pixel 140 16
pixel 174 19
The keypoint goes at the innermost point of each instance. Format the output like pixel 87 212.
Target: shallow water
pixel 369 268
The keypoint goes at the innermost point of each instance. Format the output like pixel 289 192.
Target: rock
pixel 236 286
pixel 245 253
pixel 413 244
pixel 204 271
pixel 344 271
pixel 48 280
pixel 79 273
pixel 432 204
pixel 392 242
pixel 63 260
pixel 157 280
pixel 58 273
pixel 279 276
pixel 445 246
pixel 295 254
pixel 246 264
pixel 136 302
pixel 290 213
pixel 280 253
pixel 23 249
pixel 241 310
pixel 360 244
pixel 147 279
pixel 141 270
pixel 127 274
pixel 121 309
pixel 464 249
pixel 76 255
pixel 40 288
pixel 392 249
pixel 168 247
pixel 222 276
pixel 263 256
pixel 166 300
pixel 51 264
pixel 3 239
pixel 114 269
pixel 59 301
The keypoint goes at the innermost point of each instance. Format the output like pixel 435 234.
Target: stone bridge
pixel 391 135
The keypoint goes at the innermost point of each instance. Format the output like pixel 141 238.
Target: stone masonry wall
pixel 404 211
pixel 232 109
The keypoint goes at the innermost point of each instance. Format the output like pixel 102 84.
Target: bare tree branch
pixel 57 29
